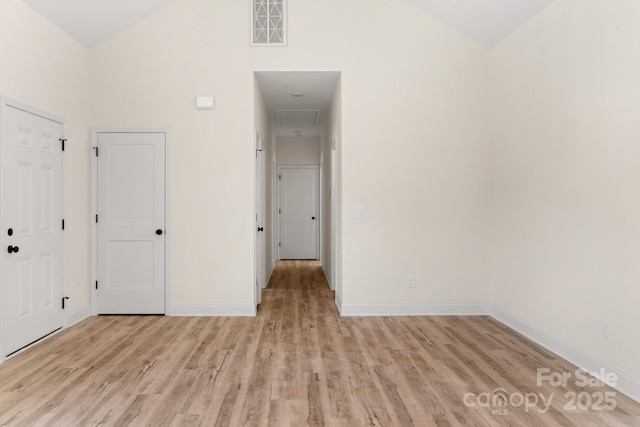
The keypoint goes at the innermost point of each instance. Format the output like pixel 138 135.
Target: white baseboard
pixel 229 310
pixel 78 315
pixel 414 309
pixel 626 384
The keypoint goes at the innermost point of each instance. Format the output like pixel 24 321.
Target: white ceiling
pixel 318 88
pixel 94 21
pixel 488 22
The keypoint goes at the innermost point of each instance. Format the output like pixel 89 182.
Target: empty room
pixel 308 213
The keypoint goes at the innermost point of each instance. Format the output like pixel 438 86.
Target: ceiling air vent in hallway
pixel 268 23
pixel 298 118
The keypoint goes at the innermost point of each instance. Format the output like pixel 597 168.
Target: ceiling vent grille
pixel 298 118
pixel 268 23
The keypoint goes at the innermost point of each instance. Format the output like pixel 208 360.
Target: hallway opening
pixel 297 115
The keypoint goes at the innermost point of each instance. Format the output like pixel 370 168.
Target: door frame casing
pixel 6 102
pixel 95 131
pixel 277 206
pixel 260 216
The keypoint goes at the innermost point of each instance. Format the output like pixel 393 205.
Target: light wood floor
pixel 297 363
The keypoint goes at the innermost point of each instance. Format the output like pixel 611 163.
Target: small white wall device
pixel 205 102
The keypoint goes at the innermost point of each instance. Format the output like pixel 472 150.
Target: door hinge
pixel 279 177
pixel 279 211
pixel 96 218
pixel 96 148
pixel 63 224
pixel 279 244
pixel 96 284
pixel 62 140
pixel 63 301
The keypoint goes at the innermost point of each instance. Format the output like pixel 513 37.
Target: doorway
pixel 302 111
pixel 130 217
pixel 31 191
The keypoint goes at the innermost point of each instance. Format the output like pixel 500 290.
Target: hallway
pixel 297 363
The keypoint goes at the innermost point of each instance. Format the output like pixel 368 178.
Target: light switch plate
pixel 359 212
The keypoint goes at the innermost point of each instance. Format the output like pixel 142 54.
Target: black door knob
pixel 313 217
pixel 159 232
pixel 10 232
pixel 13 249
pixel 260 228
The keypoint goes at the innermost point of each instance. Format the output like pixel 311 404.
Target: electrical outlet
pixel 214 282
pixel 411 283
pixel 606 329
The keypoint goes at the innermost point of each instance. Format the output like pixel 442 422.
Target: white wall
pixel 298 151
pixel 412 140
pixel 336 132
pixel 332 132
pixel 43 67
pixel 565 175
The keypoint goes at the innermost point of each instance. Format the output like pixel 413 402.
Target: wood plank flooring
pixel 297 363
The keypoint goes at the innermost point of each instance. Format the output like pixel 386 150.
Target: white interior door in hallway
pixel 31 226
pixel 298 212
pixel 130 222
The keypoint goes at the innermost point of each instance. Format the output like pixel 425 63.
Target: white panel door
pixel 131 222
pixel 31 188
pixel 298 186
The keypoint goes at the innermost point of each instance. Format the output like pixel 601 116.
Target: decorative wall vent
pixel 268 23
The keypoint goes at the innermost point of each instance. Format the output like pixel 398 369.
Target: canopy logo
pixel 501 403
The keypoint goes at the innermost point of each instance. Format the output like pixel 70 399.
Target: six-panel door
pixel 31 227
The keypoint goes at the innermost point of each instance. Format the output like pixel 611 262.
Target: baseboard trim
pixel 626 384
pixel 414 309
pixel 78 315
pixel 226 310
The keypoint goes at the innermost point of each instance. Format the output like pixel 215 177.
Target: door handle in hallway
pixel 13 249
pixel 260 228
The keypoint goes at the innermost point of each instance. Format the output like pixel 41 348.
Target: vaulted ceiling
pixel 487 22
pixel 93 21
